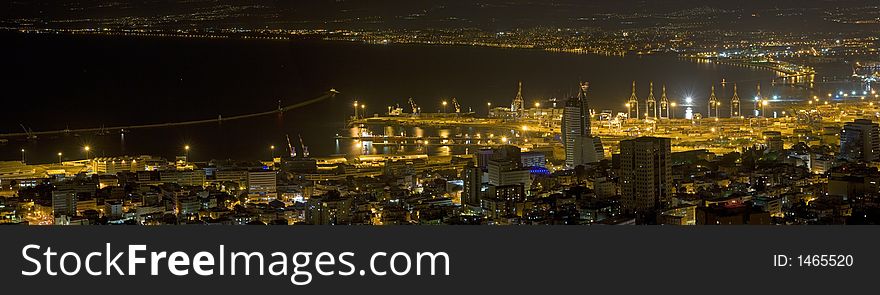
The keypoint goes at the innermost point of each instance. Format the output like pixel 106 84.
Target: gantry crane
pixel 412 104
pixel 290 146
pixel 305 149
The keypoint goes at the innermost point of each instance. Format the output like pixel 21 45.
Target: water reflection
pixel 397 139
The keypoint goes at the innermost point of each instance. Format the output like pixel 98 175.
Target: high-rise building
pixel 860 141
pixel 483 156
pixel 580 146
pixel 473 183
pixel 533 159
pixel 328 209
pixel 505 168
pixel 576 114
pixel 645 173
pixel 64 203
pixel 262 184
pixel 502 201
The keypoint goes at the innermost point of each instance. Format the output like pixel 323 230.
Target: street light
pixel 763 104
pixel 23 159
pixel 672 109
pixel 272 147
pixel 488 107
pixel 444 106
pixel 355 109
pixel 537 104
pixel 186 153
pixel 87 149
pixel 59 158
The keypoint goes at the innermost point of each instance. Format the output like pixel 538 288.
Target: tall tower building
pixel 580 146
pixel 714 104
pixel 517 104
pixel 735 108
pixel 632 105
pixel 473 184
pixel 583 119
pixel 664 104
pixel 860 141
pixel 651 104
pixel 645 173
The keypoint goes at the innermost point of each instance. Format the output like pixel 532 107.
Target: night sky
pixel 490 15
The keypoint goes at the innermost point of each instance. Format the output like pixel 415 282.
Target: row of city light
pixel 443 104
pixel 688 101
pixel 87 150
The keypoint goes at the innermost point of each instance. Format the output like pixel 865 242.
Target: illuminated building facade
pixel 645 173
pixel 580 146
pixel 860 141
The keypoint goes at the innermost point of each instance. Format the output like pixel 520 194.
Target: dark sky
pixel 485 14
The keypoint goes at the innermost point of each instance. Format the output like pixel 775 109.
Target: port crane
pixel 456 105
pixel 412 104
pixel 28 132
pixel 290 146
pixel 305 149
